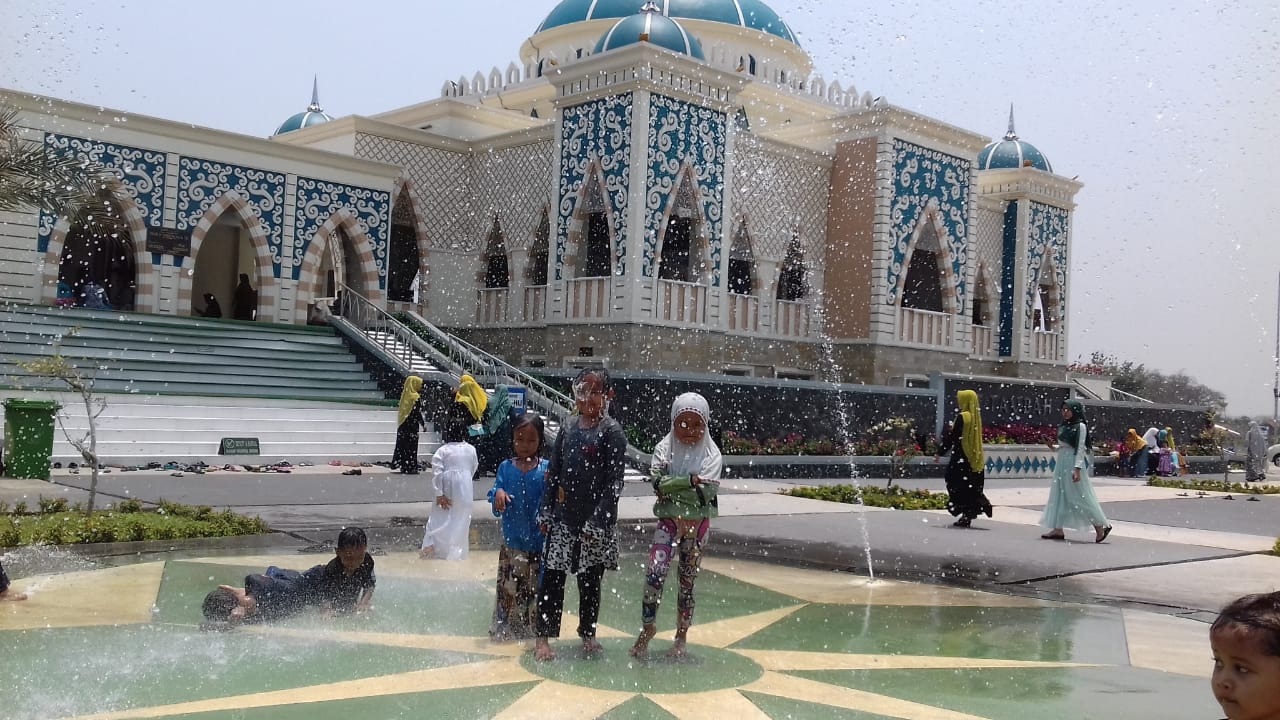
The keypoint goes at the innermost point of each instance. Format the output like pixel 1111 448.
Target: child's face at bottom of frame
pixel 689 428
pixel 351 557
pixel 1246 680
pixel 525 441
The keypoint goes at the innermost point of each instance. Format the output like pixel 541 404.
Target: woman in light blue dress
pixel 1072 502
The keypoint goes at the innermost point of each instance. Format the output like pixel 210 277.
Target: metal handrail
pixel 545 398
pixel 368 318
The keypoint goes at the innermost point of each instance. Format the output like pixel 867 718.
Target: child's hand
pixel 500 500
pixel 443 501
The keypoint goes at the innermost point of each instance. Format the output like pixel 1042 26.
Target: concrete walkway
pixel 1173 551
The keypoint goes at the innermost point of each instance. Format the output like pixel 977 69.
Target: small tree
pixel 56 367
pixel 896 438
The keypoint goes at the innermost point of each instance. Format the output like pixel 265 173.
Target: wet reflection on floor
pixel 768 641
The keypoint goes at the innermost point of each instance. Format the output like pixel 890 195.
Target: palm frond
pixel 30 177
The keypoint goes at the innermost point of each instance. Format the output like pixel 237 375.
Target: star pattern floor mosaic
pixel 767 642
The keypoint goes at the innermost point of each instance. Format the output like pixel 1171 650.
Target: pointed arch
pixel 683 252
pixel 742 276
pixel 793 275
pixel 264 270
pixel 985 302
pixel 592 248
pixel 145 281
pixel 928 281
pixel 495 266
pixel 327 239
pixel 405 208
pixel 535 270
pixel 1048 299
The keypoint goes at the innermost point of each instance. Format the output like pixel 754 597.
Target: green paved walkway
pixel 768 642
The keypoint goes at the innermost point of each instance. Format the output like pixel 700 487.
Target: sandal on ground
pixel 963 522
pixel 1102 533
pixel 1053 536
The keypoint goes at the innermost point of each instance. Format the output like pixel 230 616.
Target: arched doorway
pixel 682 255
pixel 97 267
pixel 405 262
pixel 922 289
pixel 225 253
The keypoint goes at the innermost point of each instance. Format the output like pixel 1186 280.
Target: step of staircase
pixel 135 430
pixel 131 353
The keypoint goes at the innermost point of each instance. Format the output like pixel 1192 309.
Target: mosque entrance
pixel 340 262
pixel 226 253
pixel 96 268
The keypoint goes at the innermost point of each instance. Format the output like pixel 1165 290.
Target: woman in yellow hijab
pixel 408 422
pixel 473 396
pixel 966 473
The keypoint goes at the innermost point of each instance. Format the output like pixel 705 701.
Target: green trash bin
pixel 28 437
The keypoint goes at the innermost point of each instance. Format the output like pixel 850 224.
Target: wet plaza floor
pixel 767 642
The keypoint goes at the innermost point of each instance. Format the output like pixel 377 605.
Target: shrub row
pixel 895 497
pixel 1214 486
pixel 169 522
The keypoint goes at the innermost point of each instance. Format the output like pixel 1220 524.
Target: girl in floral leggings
pixel 685 474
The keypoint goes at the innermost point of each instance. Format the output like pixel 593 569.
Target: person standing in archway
pixel 244 304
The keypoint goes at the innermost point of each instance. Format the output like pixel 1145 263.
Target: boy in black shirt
pixel 346 584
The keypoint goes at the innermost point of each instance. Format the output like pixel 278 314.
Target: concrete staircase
pixel 174 387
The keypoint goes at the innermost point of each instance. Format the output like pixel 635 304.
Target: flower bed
pixel 55 523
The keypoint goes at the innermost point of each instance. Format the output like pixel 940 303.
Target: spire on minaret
pixel 1011 135
pixel 651 7
pixel 315 96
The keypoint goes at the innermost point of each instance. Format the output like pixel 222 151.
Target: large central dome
pixel 751 14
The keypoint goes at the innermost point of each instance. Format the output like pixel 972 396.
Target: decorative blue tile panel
pixel 319 199
pixel 1046 236
pixel 1018 461
pixel 202 182
pixel 925 179
pixel 681 132
pixel 595 132
pixel 140 172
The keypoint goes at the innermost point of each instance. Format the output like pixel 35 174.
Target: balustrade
pixel 924 327
pixel 681 302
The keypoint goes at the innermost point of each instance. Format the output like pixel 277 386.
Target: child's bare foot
pixel 640 650
pixel 12 596
pixel 542 651
pixel 427 553
pixel 591 647
pixel 678 651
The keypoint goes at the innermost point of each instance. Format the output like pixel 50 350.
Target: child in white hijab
pixel 685 474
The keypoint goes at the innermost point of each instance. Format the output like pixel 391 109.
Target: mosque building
pixel 653 186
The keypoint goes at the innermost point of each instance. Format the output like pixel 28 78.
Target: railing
pixel 535 304
pixel 744 312
pixel 587 298
pixel 540 396
pixel 394 339
pixel 682 302
pixel 983 341
pixel 1046 345
pixel 493 306
pixel 924 327
pixel 791 318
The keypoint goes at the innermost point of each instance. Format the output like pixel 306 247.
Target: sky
pixel 1167 112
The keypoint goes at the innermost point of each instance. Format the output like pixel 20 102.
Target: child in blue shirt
pixel 516 497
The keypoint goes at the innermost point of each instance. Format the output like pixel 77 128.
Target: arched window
pixel 923 287
pixel 539 253
pixel 496 274
pixel 742 264
pixel 982 300
pixel 793 283
pixel 679 260
pixel 403 266
pixel 597 258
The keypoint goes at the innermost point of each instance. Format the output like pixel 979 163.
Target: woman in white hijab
pixel 685 475
pixel 1255 443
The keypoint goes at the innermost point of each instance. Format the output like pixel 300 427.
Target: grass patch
pixel 55 524
pixel 1213 486
pixel 895 497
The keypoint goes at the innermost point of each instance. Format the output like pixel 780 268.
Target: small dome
pixel 651 26
pixel 313 115
pixel 1010 152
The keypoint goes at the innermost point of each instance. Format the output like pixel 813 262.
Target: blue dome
pixel 653 27
pixel 1010 152
pixel 751 14
pixel 313 115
